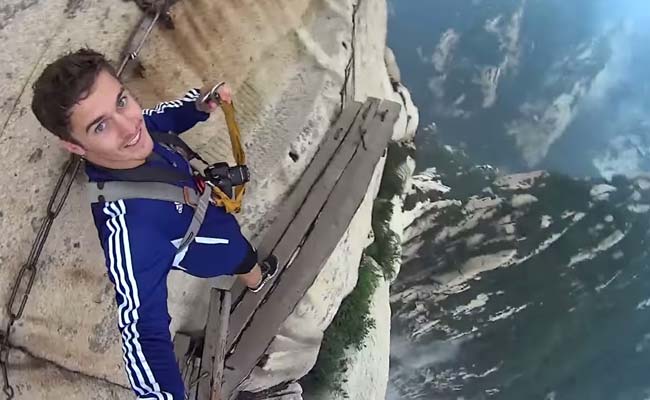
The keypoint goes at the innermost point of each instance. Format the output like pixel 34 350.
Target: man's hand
pixel 225 95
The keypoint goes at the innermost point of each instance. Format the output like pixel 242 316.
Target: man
pixel 79 99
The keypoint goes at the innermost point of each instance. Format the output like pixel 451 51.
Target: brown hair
pixel 63 84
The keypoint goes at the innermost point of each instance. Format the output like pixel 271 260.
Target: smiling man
pixel 79 99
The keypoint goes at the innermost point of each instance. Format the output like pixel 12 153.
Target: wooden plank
pixel 319 244
pixel 220 355
pixel 316 199
pixel 351 116
pixel 326 149
pixel 210 344
pixel 214 346
pixel 310 206
pixel 330 225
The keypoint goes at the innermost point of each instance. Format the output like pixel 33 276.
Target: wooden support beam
pixel 214 345
pixel 220 355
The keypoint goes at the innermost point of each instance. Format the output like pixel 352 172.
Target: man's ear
pixel 72 147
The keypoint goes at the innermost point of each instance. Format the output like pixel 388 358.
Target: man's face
pixel 108 126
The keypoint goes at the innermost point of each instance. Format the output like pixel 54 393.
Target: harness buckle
pixel 200 182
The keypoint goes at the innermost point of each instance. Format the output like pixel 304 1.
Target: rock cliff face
pixel 292 63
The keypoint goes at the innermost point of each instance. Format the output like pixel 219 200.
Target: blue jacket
pixel 140 238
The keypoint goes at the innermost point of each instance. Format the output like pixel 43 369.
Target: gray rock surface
pixel 37 379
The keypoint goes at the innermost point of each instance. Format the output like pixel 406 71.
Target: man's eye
pixel 122 102
pixel 100 127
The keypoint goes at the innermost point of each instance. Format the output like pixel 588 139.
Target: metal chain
pixel 27 273
pixel 25 279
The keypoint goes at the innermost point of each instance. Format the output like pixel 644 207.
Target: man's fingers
pixel 225 93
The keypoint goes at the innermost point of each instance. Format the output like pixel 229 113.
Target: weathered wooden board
pixel 315 245
pixel 310 205
pixel 331 142
pixel 214 346
pixel 220 356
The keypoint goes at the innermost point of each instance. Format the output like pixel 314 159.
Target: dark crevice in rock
pixel 43 361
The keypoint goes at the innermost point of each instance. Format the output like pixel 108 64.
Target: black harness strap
pixel 149 173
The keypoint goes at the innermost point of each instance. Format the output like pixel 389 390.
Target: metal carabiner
pixel 213 94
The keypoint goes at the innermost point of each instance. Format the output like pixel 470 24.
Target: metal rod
pixel 132 55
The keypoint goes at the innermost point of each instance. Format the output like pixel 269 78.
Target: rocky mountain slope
pixel 510 280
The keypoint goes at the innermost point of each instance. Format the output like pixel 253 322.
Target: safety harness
pixel 157 183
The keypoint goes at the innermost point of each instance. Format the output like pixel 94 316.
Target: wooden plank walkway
pixel 331 142
pixel 313 234
pixel 302 207
pixel 303 235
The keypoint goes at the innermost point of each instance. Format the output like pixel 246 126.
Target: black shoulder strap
pixel 177 144
pixel 149 173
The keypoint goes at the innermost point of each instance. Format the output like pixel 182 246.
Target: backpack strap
pixel 177 144
pixel 197 219
pixel 120 190
pixel 148 181
pixel 113 191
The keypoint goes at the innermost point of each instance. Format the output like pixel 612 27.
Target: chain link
pixel 4 359
pixel 27 273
